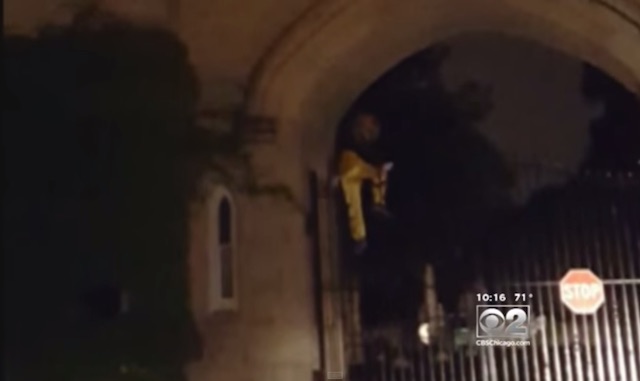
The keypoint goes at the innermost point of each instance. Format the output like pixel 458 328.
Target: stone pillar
pixel 332 292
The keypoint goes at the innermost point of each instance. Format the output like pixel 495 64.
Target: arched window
pixel 222 252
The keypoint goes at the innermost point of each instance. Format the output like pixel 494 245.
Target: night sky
pixel 539 111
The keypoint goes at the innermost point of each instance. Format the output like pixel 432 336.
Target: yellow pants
pixel 353 171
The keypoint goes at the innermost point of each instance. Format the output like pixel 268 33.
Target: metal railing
pixel 593 221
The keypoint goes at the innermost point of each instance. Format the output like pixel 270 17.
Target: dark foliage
pixel 615 133
pixel 100 161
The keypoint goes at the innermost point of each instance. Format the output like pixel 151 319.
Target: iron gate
pixel 592 222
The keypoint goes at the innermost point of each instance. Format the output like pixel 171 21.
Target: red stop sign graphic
pixel 582 291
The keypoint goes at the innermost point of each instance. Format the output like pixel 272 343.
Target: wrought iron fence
pixel 592 221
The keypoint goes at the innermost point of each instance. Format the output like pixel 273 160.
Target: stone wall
pixel 273 334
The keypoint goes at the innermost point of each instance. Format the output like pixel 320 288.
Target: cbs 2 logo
pixel 502 321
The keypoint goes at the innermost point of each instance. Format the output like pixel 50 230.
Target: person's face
pixel 367 128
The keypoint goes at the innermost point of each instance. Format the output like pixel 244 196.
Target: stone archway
pixel 311 76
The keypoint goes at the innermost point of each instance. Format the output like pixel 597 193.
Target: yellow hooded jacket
pixel 353 171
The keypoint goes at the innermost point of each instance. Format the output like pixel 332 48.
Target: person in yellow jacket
pixel 354 171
